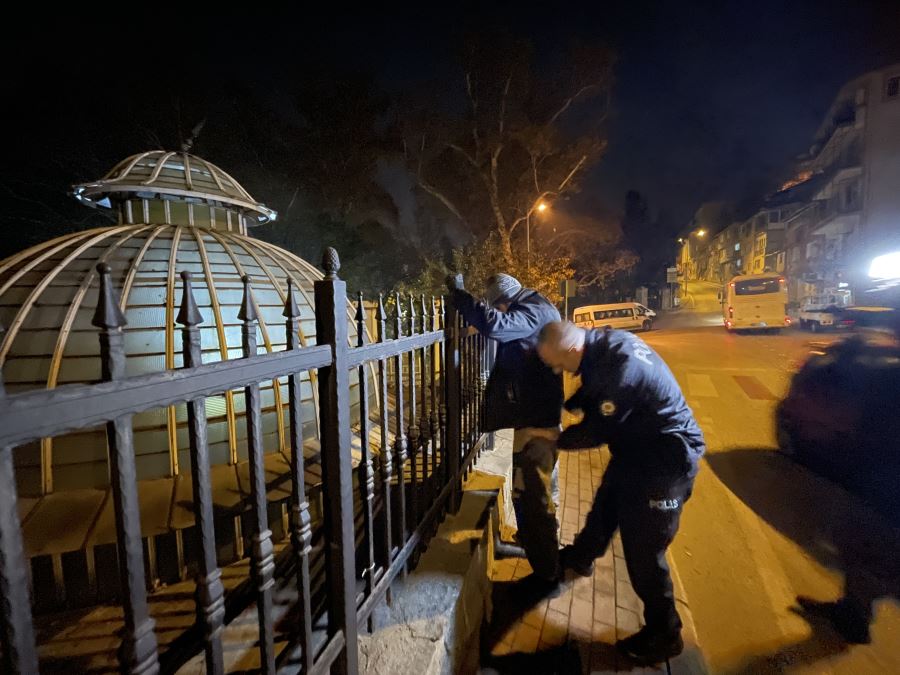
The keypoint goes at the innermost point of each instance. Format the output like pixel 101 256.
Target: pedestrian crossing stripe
pixel 701 386
pixel 698 386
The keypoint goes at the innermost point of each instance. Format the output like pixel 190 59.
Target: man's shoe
pixel 647 647
pixel 570 560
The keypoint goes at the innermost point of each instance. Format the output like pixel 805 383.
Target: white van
pixel 624 315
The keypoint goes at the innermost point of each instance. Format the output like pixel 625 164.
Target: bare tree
pixel 518 143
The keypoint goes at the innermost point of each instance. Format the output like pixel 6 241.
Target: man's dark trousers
pixel 646 510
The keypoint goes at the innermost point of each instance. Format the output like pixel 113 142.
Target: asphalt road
pixel 759 530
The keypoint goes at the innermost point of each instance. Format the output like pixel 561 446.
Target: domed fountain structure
pixel 175 212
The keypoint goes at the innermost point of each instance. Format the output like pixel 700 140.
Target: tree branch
pixel 570 101
pixel 503 103
pixel 474 100
pixel 572 173
pixel 521 219
pixel 494 188
pixel 442 198
pixel 548 193
pixel 469 158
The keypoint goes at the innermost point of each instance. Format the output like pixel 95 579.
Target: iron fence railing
pixel 425 416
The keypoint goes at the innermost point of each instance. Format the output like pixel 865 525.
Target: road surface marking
pixel 754 388
pixel 701 386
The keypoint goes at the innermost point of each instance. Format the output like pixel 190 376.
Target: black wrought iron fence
pixel 419 432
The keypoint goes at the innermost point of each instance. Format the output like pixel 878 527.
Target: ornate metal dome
pixel 48 294
pixel 172 175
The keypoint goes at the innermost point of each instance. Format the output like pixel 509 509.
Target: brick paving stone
pixel 526 639
pixel 605 608
pixel 627 598
pixel 604 580
pixel 534 617
pixel 606 561
pixel 581 618
pixel 555 631
pixel 627 622
pixel 563 602
pixel 603 632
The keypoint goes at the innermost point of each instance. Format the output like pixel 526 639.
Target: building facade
pixel 839 212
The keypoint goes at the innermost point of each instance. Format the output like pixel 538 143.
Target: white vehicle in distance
pixel 624 315
pixel 818 312
pixel 755 301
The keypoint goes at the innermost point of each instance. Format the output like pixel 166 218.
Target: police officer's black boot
pixel 649 646
pixel 570 559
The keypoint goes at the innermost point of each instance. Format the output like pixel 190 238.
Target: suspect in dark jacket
pixel 632 402
pixel 525 395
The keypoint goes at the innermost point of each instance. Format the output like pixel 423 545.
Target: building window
pixel 737 247
pixel 761 243
pixel 851 196
pixel 892 88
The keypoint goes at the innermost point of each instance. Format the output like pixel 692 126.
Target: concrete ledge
pixel 434 622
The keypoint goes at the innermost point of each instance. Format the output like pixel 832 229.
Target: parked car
pixel 826 311
pixel 841 417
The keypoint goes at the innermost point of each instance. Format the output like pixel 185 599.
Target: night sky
pixel 711 100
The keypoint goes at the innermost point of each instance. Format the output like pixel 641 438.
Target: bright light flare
pixel 886 266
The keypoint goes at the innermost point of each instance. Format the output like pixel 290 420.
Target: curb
pixel 691 661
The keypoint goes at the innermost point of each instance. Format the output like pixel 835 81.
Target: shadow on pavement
pixel 559 660
pixel 510 600
pixel 832 526
pixel 572 658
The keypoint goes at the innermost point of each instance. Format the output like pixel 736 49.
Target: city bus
pixel 755 301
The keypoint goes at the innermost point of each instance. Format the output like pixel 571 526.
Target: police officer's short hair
pixel 562 334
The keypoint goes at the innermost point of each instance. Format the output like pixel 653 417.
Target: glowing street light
pixel 541 207
pixel 701 233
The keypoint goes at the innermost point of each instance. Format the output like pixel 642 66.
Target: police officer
pixel 525 395
pixel 632 402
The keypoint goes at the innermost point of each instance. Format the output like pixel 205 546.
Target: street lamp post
pixel 542 206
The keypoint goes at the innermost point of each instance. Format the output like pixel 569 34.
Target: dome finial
pixel 331 263
pixel 195 132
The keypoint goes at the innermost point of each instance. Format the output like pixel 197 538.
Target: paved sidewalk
pixel 575 632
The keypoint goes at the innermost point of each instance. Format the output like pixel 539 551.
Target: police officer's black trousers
pixel 534 500
pixel 646 511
